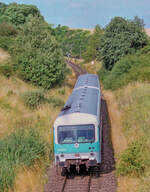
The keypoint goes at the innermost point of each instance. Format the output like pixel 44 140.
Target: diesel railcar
pixel 78 128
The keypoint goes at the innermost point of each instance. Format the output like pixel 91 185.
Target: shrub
pixel 129 69
pixel 121 37
pixel 18 14
pixel 62 91
pixel 6 42
pixel 132 160
pixel 38 56
pixel 103 73
pixel 20 148
pixel 56 102
pixel 33 99
pixel 6 70
pixel 7 30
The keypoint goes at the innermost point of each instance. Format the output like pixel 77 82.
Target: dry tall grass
pixel 118 138
pixel 3 55
pixel 125 184
pixel 14 115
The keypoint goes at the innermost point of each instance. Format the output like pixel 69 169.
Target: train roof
pixel 89 80
pixel 85 97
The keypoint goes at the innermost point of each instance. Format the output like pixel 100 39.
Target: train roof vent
pixel 77 107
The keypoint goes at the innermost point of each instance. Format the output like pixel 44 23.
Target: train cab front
pixel 78 146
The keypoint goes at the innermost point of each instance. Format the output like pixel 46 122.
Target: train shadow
pixel 108 160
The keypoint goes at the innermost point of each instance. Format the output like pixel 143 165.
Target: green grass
pixel 134 102
pixel 33 99
pixel 18 149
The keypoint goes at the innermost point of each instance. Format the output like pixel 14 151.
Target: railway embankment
pixel 128 94
pixel 128 108
pixel 26 141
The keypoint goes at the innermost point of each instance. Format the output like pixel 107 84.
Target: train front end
pixel 77 143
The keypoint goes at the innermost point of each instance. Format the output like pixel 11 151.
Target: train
pixel 78 127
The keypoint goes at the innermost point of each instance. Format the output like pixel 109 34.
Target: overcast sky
pixel 88 13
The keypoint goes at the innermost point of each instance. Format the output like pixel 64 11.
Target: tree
pixel 18 14
pixel 121 37
pixel 72 41
pixel 92 50
pixel 139 22
pixel 38 57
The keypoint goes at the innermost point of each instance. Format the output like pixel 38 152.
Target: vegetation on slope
pixel 131 68
pixel 20 148
pixel 17 14
pixel 36 111
pixel 134 104
pixel 73 42
pixel 37 57
pixel 125 52
pixel 121 37
pixel 93 48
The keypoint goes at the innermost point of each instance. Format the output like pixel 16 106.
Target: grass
pixel 14 115
pixel 21 147
pixel 134 104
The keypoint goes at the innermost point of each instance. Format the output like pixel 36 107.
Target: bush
pixel 18 14
pixel 103 73
pixel 56 102
pixel 121 37
pixel 20 148
pixel 132 160
pixel 37 54
pixel 129 69
pixel 6 42
pixel 6 70
pixel 7 30
pixel 32 99
pixel 61 91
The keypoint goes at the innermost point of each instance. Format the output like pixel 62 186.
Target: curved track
pixel 76 68
pixel 88 183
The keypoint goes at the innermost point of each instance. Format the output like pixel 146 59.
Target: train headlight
pixel 92 156
pixel 62 157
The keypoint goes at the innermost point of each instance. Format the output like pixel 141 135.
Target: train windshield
pixel 76 134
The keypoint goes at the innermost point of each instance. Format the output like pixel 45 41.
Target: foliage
pixel 93 47
pixel 20 148
pixel 7 30
pixel 6 70
pixel 73 42
pixel 132 160
pixel 56 102
pixel 7 34
pixel 121 37
pixel 130 68
pixel 37 55
pixel 33 99
pixel 18 14
pixel 134 103
pixel 6 42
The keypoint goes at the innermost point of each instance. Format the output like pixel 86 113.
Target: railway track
pixel 88 183
pixel 76 68
pixel 78 183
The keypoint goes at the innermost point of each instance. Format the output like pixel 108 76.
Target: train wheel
pixel 64 171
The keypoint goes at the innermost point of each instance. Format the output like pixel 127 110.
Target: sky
pixel 88 13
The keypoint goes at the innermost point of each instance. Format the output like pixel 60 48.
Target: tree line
pixel 38 48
